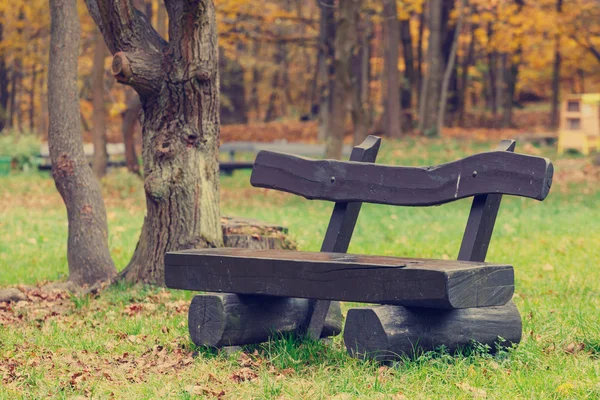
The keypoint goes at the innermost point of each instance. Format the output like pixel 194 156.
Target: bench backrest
pixel 485 176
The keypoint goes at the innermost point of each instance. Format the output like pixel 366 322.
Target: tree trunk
pixel 4 93
pixel 32 99
pixel 449 70
pixel 419 78
pixel 327 66
pixel 179 90
pixel 433 82
pixel 408 83
pixel 361 72
pixel 511 76
pixel 100 158
pixel 492 57
pixel 464 78
pixel 130 117
pixel 448 34
pixel 254 102
pixel 87 253
pixel 554 114
pixel 346 42
pixel 391 38
pixel 231 80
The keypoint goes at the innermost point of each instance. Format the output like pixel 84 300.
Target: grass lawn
pixel 132 342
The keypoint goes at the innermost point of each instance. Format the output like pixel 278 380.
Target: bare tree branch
pixel 136 46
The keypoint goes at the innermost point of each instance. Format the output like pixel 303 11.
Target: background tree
pixel 391 35
pixel 346 45
pixel 87 253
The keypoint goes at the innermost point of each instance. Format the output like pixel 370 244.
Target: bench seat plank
pixel 345 277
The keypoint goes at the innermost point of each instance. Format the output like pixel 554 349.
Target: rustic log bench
pixel 423 303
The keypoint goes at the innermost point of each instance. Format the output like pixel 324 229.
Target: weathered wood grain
pixel 385 333
pixel 230 320
pixel 346 277
pixel 497 172
pixel 340 230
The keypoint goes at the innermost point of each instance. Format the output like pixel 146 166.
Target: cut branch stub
pixel 121 68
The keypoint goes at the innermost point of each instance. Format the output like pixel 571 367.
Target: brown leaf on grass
pixel 477 393
pixel 243 374
pixel 574 348
pixel 132 309
pixel 246 361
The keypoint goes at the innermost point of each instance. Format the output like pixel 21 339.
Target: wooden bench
pixel 423 303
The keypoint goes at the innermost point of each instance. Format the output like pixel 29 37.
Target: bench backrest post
pixel 340 229
pixel 482 218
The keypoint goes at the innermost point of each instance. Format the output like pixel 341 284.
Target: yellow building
pixel 580 123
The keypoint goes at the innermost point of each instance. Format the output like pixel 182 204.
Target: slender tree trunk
pixel 346 42
pixel 43 114
pixel 554 114
pixel 271 114
pixel 361 72
pixel 256 75
pixel 4 93
pixel 408 83
pixel 419 78
pixel 448 34
pixel 178 84
pixel 100 158
pixel 88 255
pixel 432 85
pixel 130 117
pixel 327 67
pixel 511 77
pixel 449 69
pixel 32 99
pixel 391 38
pixel 464 78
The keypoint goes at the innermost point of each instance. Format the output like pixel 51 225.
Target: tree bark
pixel 554 114
pixel 449 70
pixel 391 39
pixel 346 43
pixel 430 91
pixel 179 90
pixel 100 158
pixel 327 66
pixel 87 253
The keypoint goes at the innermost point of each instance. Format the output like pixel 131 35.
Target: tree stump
pixel 385 333
pixel 252 234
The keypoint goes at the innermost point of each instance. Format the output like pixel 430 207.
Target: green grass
pixel 133 342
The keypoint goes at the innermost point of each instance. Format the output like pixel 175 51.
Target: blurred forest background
pixel 400 66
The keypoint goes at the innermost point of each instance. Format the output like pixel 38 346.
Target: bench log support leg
pixel 219 320
pixel 386 332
